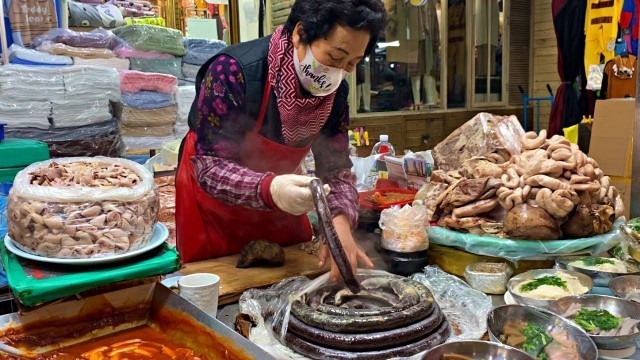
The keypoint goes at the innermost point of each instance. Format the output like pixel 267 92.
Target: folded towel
pixel 147 100
pixel 165 116
pixel 17 61
pixel 105 128
pixel 147 131
pixel 115 63
pixel 152 38
pixel 184 99
pixel 161 66
pixel 98 38
pixel 198 51
pixel 27 84
pixel 134 81
pixel 79 112
pixel 190 71
pixel 145 142
pixel 126 51
pixel 86 53
pixel 26 114
pixel 19 53
pixel 91 82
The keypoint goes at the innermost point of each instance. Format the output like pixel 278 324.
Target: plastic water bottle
pixel 383 147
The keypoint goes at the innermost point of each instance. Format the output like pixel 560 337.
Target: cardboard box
pixel 612 136
pixel 624 188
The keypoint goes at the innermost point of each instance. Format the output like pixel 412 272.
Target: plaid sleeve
pixel 229 182
pixel 333 166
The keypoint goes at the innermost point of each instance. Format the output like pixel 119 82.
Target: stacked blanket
pixel 152 38
pixel 50 97
pixel 149 108
pixel 161 66
pixel 197 52
pixel 21 56
pixel 185 96
pixel 115 63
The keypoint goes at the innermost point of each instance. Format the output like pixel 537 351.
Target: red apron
pixel 207 228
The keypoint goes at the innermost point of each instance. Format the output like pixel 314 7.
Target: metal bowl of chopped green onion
pixel 539 332
pixel 596 267
pixel 524 294
pixel 612 323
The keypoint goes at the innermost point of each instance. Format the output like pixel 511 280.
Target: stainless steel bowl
pixel 530 275
pixel 477 350
pixel 626 287
pixel 501 315
pixel 616 306
pixel 563 263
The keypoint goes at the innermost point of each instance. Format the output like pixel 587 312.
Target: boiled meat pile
pixel 549 190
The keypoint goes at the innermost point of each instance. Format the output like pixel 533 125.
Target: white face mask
pixel 316 78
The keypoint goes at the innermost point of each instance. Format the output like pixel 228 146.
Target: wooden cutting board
pixel 234 281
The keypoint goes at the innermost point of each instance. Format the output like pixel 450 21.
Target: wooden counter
pixel 234 281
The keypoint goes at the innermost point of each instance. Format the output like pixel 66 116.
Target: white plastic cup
pixel 202 290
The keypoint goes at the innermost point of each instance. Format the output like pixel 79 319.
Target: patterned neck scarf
pixel 302 116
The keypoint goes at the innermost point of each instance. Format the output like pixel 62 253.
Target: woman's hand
pixel 354 253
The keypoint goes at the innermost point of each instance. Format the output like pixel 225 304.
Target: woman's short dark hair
pixel 318 18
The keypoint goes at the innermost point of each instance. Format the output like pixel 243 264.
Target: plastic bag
pixel 147 131
pixel 480 136
pixel 465 308
pixel 152 38
pixel 79 112
pixel 86 53
pixel 167 214
pixel 145 142
pixel 147 100
pixel 364 168
pixel 198 51
pixel 23 84
pixel 134 81
pixel 404 229
pixel 74 214
pixel 110 145
pixel 98 38
pixel 114 63
pixel 272 305
pixel 92 83
pixel 162 117
pixel 185 95
pixel 516 318
pixel 161 66
pixel 36 57
pixel 515 250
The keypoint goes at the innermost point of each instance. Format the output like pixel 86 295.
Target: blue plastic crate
pixel 2 125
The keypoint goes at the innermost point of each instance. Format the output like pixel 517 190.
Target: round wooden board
pixel 454 261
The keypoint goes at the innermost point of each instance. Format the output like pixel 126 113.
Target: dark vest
pixel 252 57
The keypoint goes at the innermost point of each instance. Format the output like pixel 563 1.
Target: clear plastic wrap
pixel 79 112
pixel 404 229
pixel 515 250
pixel 364 168
pixel 190 71
pixel 22 84
pixel 466 308
pixel 91 83
pixel 115 63
pixel 490 278
pixel 26 114
pixel 152 38
pixel 161 66
pixel 184 99
pixel 466 313
pixel 180 130
pixel 66 50
pixel 82 207
pixel 165 116
pixel 124 50
pixel 110 145
pixel 36 57
pixel 198 51
pixel 148 100
pixel 566 340
pixel 480 136
pixel 134 81
pixel 98 38
pixel 145 142
pixel 167 214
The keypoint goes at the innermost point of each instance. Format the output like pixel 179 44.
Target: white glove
pixel 291 193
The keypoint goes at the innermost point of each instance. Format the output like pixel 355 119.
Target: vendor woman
pixel 260 107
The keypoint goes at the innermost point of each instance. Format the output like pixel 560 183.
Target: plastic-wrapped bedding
pixel 27 84
pixel 32 57
pixel 126 51
pixel 98 38
pixel 147 100
pixel 190 71
pixel 115 63
pixel 184 99
pixel 134 81
pixel 161 66
pixel 26 114
pixel 87 53
pixel 79 112
pixel 145 142
pixel 144 131
pixel 152 38
pixel 165 116
pixel 92 82
pixel 95 15
pixel 101 139
pixel 198 51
